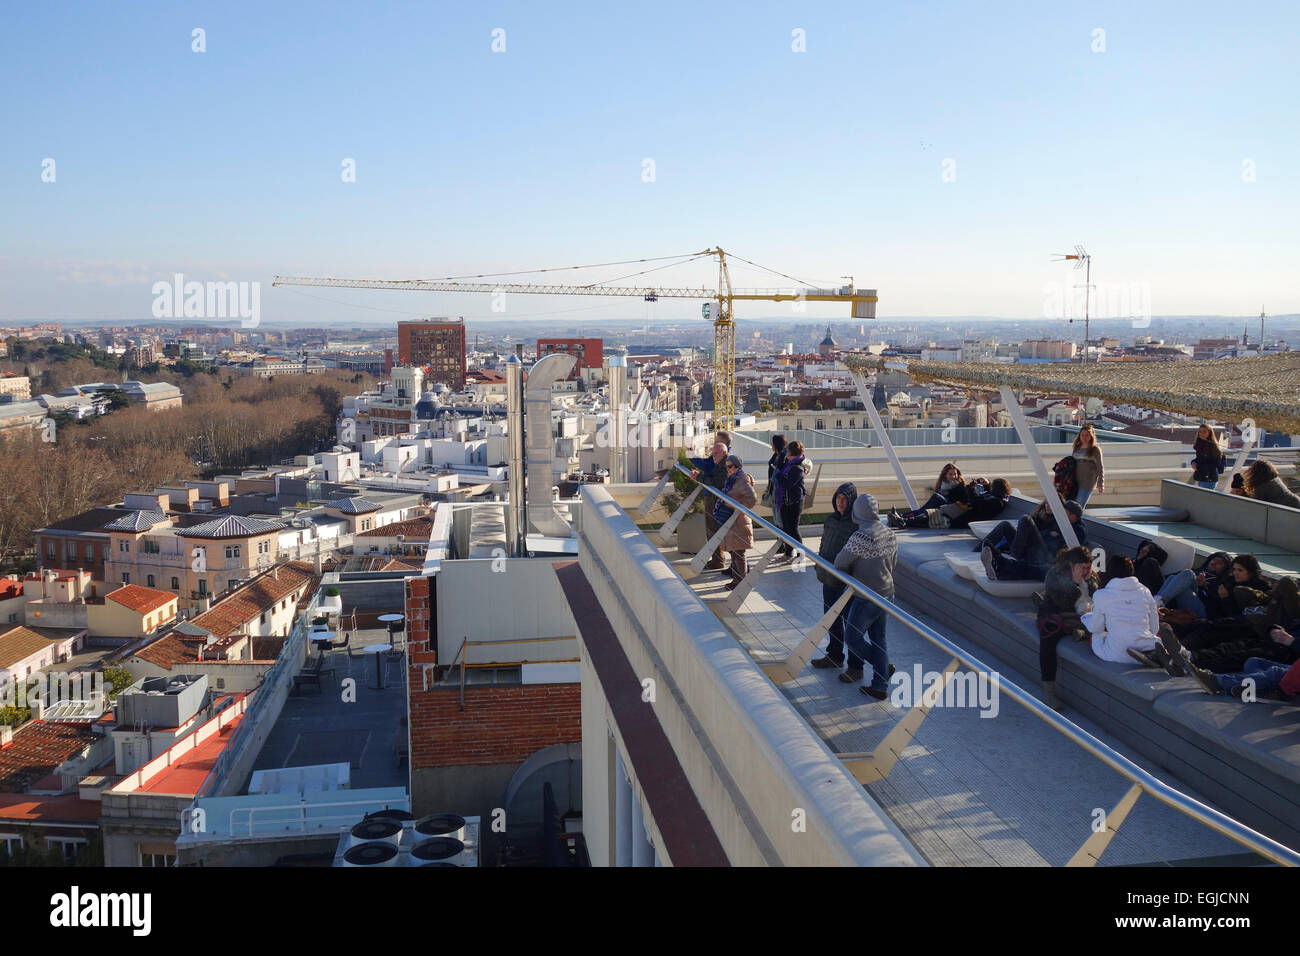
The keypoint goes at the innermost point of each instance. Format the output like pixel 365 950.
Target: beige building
pixel 194 562
pixel 18 388
pixel 131 611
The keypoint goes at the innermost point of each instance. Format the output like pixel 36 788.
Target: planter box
pixel 691 535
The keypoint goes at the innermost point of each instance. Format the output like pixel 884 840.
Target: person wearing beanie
pixel 869 555
pixel 838 527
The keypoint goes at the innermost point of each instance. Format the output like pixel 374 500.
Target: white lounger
pixel 968 565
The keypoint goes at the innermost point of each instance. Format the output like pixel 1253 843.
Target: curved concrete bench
pixel 1243 757
pixel 1147 514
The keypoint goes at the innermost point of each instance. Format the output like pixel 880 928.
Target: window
pixel 839 423
pixel 12 842
pixel 49 550
pixel 821 424
pixel 126 578
pixel 203 586
pixel 90 553
pixel 157 854
pixel 71 846
pixel 13 618
pixel 124 546
pixel 798 424
pixel 176 584
pixel 263 618
pixel 148 624
pixel 149 580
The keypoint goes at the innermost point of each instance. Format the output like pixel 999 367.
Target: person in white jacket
pixel 1124 614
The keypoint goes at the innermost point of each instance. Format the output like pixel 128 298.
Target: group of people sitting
pixel 955 503
pixel 1222 623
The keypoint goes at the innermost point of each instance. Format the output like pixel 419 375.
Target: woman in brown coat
pixel 739 538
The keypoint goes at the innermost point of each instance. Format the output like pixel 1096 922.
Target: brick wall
pixel 499 724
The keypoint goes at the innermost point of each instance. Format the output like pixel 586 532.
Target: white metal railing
pixel 1142 779
pixel 317 822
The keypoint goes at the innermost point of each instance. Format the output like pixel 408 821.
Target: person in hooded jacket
pixel 1066 596
pixel 1190 590
pixel 1124 614
pixel 869 555
pixel 1148 565
pixel 838 527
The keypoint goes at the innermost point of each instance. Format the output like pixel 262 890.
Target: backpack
pixel 1065 481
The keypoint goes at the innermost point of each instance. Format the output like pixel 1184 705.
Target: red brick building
pixel 438 346
pixel 481 731
pixel 590 353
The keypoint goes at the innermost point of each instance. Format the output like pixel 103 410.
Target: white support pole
pixel 648 502
pixel 817 477
pixel 696 567
pixel 747 583
pixel 861 382
pixel 1250 436
pixel 670 526
pixel 1045 483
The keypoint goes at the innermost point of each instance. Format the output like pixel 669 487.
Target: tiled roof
pixel 48 808
pixel 20 643
pixel 400 565
pixel 140 599
pixel 231 526
pixel 353 506
pixel 231 615
pixel 171 649
pixel 92 520
pixel 412 528
pixel 10 589
pixel 136 521
pixel 37 750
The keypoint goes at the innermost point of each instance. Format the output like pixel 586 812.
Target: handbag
pixel 766 500
pixel 937 519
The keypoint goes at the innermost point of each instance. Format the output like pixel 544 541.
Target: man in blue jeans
pixel 869 555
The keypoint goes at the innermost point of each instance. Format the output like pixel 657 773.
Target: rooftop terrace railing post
pixel 1095 845
pixel 747 583
pixel 787 670
pixel 648 502
pixel 860 381
pixel 696 567
pixel 868 768
pixel 1045 483
pixel 670 526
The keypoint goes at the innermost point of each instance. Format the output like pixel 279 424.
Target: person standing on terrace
pixel 789 494
pixel 836 531
pixel 1207 465
pixel 1089 473
pixel 870 556
pixel 739 538
pixel 711 472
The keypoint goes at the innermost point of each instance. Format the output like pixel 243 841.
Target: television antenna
pixel 1082 260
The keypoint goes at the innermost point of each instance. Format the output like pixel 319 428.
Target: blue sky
pixel 226 164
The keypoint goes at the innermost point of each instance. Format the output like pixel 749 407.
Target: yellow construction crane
pixel 718 309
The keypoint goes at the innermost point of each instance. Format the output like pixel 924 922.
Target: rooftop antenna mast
pixel 1082 260
pixel 1261 329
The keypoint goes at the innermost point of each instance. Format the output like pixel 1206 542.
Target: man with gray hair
pixel 869 555
pixel 711 472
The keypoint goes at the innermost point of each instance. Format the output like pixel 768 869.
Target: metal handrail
pixel 1214 819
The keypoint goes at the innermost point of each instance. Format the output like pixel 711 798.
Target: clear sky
pixel 227 164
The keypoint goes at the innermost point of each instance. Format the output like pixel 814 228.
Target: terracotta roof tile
pixel 19 643
pixel 37 750
pixel 140 599
pixel 250 601
pixel 411 527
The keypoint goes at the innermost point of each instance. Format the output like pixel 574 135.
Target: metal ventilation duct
pixel 542 515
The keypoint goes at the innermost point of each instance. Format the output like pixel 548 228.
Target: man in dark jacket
pixel 981 500
pixel 836 530
pixel 712 471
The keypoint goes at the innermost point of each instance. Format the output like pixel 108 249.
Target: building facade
pixel 438 346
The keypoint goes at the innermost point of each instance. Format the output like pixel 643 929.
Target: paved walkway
pixel 1003 790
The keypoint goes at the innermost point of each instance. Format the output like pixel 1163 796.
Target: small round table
pixel 379 650
pixel 390 620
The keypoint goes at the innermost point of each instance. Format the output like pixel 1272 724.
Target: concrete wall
pixel 130 819
pixel 751 759
pixel 530 605
pixel 1260 521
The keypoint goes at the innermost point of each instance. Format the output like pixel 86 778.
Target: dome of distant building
pixel 828 344
pixel 427 405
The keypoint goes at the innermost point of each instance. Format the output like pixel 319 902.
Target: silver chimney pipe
pixel 543 517
pixel 616 376
pixel 515 518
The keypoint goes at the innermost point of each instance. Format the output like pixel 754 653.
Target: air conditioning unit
pixel 441 839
